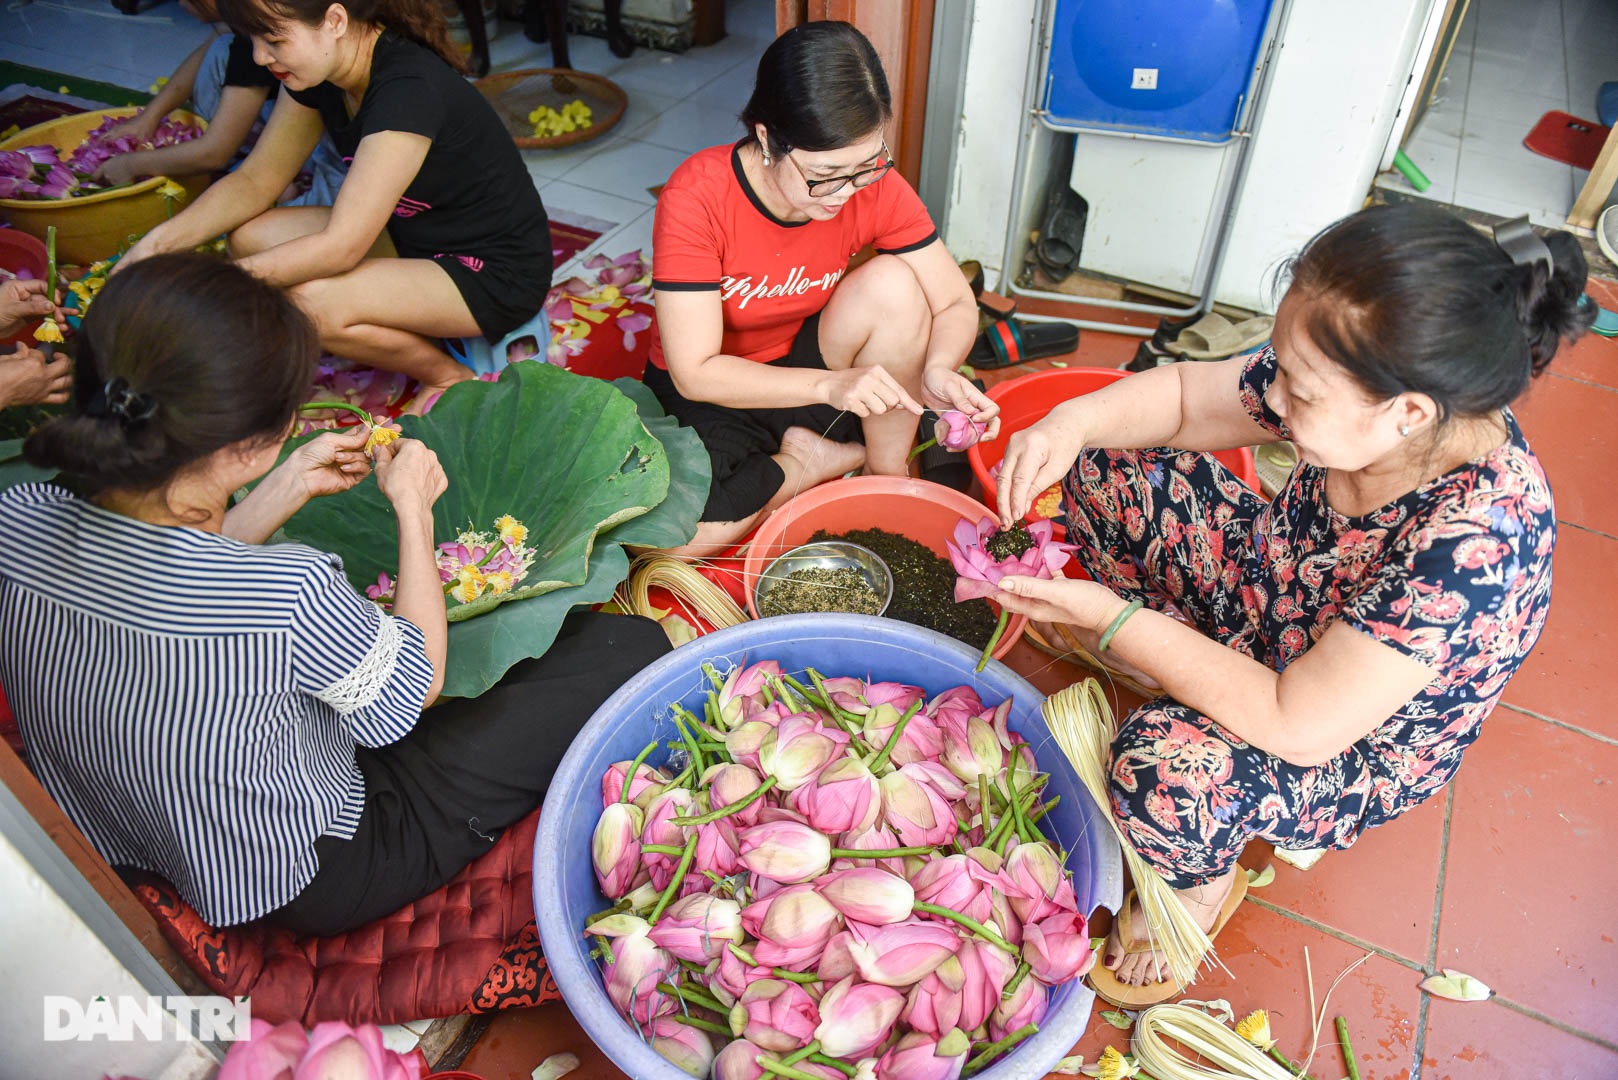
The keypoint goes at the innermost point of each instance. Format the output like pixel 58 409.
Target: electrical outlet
pixel 1145 79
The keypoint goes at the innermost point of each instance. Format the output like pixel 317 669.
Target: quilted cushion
pixel 469 947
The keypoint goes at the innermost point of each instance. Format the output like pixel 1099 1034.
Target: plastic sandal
pixel 1061 231
pixel 1011 341
pixel 1127 996
pixel 1214 337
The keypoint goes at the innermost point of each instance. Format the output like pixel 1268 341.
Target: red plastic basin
pixel 19 251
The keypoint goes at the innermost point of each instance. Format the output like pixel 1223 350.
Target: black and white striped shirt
pixel 193 702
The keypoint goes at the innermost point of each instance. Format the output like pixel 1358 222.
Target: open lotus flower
pixel 697 927
pixel 844 798
pixel 615 848
pixel 785 850
pixel 1026 1005
pixel 856 1017
pixel 331 1049
pixel 979 572
pixel 902 953
pixel 688 1048
pixel 868 894
pixel 775 1014
pixel 921 1057
pixel 933 1005
pixel 797 748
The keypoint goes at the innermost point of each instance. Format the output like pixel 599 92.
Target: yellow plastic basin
pixel 93 227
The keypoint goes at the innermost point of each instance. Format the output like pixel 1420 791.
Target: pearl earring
pixel 1404 431
pixel 766 151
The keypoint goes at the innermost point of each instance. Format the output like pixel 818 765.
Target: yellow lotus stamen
pixel 499 581
pixel 380 436
pixel 1114 1066
pixel 48 331
pixel 171 190
pixel 1255 1028
pixel 511 530
pixel 470 584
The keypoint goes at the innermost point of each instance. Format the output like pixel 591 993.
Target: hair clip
pixel 1518 239
pixel 114 398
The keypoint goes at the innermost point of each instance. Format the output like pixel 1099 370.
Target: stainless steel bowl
pixel 827 555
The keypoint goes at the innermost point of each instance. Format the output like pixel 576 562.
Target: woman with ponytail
pixel 1325 658
pixel 226 711
pixel 433 179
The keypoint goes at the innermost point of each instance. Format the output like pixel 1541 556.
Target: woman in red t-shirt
pixel 783 359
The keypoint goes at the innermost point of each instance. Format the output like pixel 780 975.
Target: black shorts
pixel 501 293
pixel 740 442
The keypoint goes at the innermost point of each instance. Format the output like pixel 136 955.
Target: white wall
pixel 1340 70
pixel 46 949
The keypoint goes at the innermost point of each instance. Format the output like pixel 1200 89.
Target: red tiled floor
pixel 1595 358
pixel 1486 1041
pixel 1528 894
pixel 517 1040
pixel 1570 425
pixel 1567 676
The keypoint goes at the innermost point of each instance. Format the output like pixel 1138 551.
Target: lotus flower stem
pixel 769 696
pixel 884 853
pixel 841 1066
pixel 1013 802
pixel 782 692
pixel 817 700
pixel 983 800
pixel 842 719
pixel 995 1049
pixel 881 760
pixel 798 977
pixel 970 923
pixel 674 882
pixel 770 1065
pixel 663 849
pixel 328 406
pixel 634 767
pixel 998 833
pixel 741 954
pixel 922 448
pixel 607 913
pixel 1287 1064
pixel 701 1024
pixel 1016 980
pixel 994 639
pixel 725 811
pixel 50 262
pixel 680 715
pixel 1044 808
pixel 692 997
pixel 1348 1049
pixel 802 1052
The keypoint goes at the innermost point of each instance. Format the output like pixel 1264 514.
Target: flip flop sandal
pixel 1126 996
pixel 973 270
pixel 1214 337
pixel 1076 654
pixel 1274 463
pixel 1169 329
pixel 1149 356
pixel 1061 232
pixel 1011 341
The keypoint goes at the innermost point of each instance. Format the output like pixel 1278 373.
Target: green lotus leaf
pixel 672 522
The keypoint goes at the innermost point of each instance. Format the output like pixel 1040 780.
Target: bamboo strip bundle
pixel 1082 723
pixel 698 595
pixel 1225 1054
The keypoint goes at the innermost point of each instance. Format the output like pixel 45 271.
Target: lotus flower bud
pixel 785 850
pixel 797 749
pixel 743 741
pixel 717 848
pixel 637 966
pixel 859 698
pixel 844 798
pixel 1057 948
pixel 647 782
pixel 775 1014
pixel 936 777
pixel 729 784
pixel 794 926
pixel 955 430
pixel 737 694
pixel 696 928
pixel 920 741
pixel 920 1057
pixel 856 1017
pixel 880 838
pixel 977 754
pixel 660 829
pixel 688 1048
pixel 987 969
pixel 916 812
pixel 739 1061
pixel 837 961
pixel 1036 884
pixel 731 977
pixel 947 883
pixel 934 1004
pixel 870 895
pixel 1026 1005
pixel 644 896
pixel 902 953
pixel 954 706
pixel 615 848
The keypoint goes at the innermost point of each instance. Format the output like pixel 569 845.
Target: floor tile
pixel 1530 878
pixel 1513 177
pixel 1593 358
pixel 626 168
pixel 517 1040
pixel 1380 890
pixel 562 198
pixel 670 73
pixel 1533 68
pixel 1484 1039
pixel 399 1038
pixel 549 164
pixel 730 91
pixel 690 126
pixel 1571 427
pixel 1568 676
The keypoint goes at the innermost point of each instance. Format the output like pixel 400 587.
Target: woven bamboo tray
pixel 515 94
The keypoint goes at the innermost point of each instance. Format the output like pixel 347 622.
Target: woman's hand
pixel 409 474
pixel 119 169
pixel 140 127
pixel 1069 601
pixel 867 391
pixel 330 463
pixel 153 243
pixel 945 389
pixel 27 379
pixel 1035 458
pixel 22 301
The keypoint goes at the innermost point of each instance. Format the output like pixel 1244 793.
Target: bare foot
pixel 818 459
pixel 427 396
pixel 1202 901
pixel 1053 636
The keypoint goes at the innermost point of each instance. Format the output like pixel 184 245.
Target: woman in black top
pixel 434 179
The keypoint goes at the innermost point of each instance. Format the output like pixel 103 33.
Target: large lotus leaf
pixel 674 521
pixel 565 454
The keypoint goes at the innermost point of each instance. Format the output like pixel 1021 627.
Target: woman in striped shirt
pixel 228 713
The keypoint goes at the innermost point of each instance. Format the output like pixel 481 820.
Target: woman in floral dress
pixel 1327 657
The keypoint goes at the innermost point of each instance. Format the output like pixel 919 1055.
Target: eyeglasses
pixel 819 189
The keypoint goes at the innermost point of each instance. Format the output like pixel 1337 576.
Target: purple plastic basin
pixel 565 892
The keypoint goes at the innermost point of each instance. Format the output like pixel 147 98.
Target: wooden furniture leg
pixel 546 20
pixel 1598 188
pixel 618 41
pixel 472 12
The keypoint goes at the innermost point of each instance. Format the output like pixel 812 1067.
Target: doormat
pixel 1564 137
pixel 33 95
pixel 568 240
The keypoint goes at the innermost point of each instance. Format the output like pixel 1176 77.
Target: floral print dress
pixel 1456 574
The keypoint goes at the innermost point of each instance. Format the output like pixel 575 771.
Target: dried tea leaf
pixel 1069 1066
pixel 1456 986
pixel 1257 879
pixel 1122 1019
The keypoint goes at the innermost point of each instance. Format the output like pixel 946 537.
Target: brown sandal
pixel 1128 996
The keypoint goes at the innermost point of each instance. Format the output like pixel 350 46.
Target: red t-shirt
pixel 711 232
